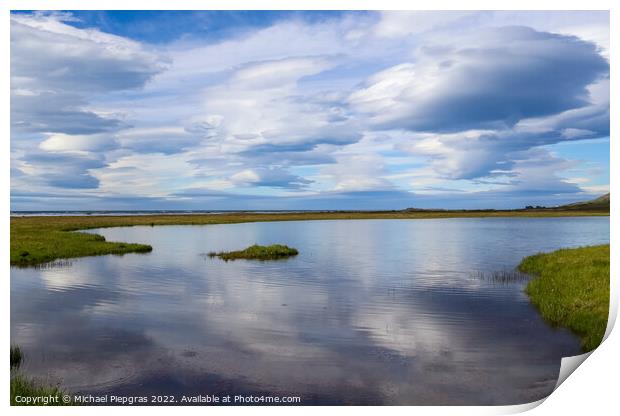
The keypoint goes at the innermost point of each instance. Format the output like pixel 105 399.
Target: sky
pixel 148 110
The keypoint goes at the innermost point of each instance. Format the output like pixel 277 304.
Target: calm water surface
pixel 369 312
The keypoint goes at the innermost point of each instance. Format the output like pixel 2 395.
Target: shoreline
pixel 41 239
pixel 570 289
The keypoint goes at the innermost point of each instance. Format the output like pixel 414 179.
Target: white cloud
pixel 193 61
pixel 152 175
pixel 400 23
pixel 161 139
pixel 56 69
pixel 489 79
pixel 245 176
pixel 261 104
pixel 78 143
pixel 357 172
pixel 269 177
pixel 84 60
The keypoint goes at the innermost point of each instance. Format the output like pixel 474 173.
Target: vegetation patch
pixel 571 289
pixel 28 392
pixel 38 241
pixel 32 393
pixel 256 252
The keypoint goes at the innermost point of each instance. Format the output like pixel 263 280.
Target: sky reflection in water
pixel 369 312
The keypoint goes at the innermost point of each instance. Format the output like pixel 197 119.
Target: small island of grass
pixel 256 252
pixel 571 289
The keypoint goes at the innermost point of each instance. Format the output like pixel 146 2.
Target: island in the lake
pixel 256 252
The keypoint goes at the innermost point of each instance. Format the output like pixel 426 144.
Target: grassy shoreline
pixel 26 391
pixel 571 289
pixel 41 239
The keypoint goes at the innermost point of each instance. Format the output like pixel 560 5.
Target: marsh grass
pixel 571 289
pixel 256 252
pixel 502 276
pixel 54 264
pixel 41 242
pixel 48 395
pixel 36 240
pixel 27 387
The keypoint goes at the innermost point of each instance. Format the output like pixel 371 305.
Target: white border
pixel 590 390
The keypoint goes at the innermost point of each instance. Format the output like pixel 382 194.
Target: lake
pixel 370 312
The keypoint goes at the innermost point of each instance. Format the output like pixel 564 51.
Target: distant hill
pixel 599 204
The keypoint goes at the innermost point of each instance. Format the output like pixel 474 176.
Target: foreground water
pixel 369 312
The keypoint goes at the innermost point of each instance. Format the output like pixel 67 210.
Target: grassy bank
pixel 39 395
pixel 36 240
pixel 28 392
pixel 256 252
pixel 571 289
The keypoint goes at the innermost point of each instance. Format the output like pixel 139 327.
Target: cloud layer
pixel 491 79
pixel 350 110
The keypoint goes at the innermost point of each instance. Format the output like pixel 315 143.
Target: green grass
pixel 40 241
pixel 36 240
pixel 571 289
pixel 26 387
pixel 39 394
pixel 256 252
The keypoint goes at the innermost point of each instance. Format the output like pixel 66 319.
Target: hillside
pixel 599 204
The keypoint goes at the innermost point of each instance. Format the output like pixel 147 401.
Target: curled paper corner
pixel 521 408
pixel 568 365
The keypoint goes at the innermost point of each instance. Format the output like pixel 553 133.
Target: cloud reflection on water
pixel 369 312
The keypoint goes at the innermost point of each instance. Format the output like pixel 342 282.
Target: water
pixel 369 312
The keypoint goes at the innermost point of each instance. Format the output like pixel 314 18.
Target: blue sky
pixel 308 110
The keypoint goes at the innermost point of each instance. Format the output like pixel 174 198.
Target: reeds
pixel 502 276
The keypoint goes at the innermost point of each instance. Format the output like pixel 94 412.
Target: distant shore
pixel 41 239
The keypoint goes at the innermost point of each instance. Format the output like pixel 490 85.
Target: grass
pixel 571 289
pixel 38 394
pixel 256 252
pixel 37 240
pixel 42 395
